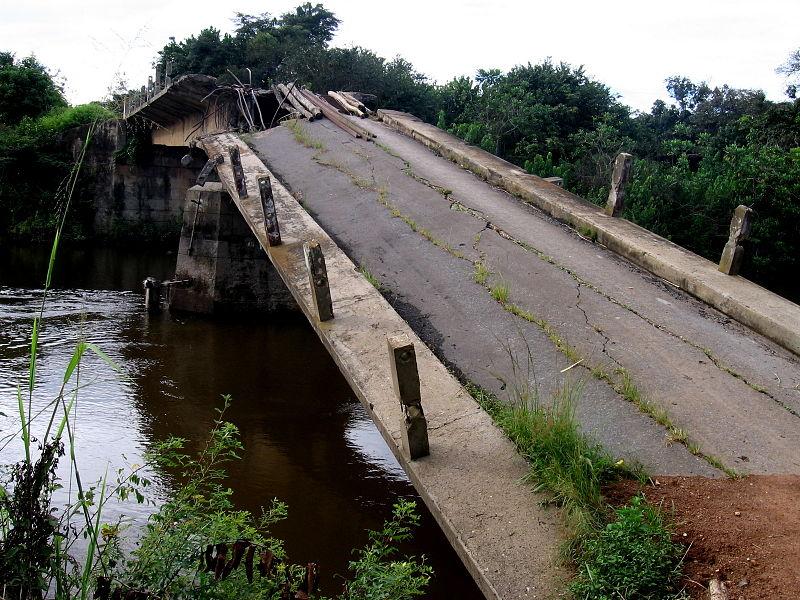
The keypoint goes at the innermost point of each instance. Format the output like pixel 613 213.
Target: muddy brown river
pixel 307 440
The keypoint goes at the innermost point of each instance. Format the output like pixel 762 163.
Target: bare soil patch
pixel 745 532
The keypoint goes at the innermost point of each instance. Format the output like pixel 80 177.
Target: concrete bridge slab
pixel 472 480
pixel 419 223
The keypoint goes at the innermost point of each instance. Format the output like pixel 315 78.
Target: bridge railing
pixel 156 83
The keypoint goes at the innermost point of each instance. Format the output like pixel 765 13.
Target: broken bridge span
pixel 682 368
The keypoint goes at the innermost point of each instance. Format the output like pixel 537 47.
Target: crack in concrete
pixel 546 327
pixel 582 282
pixel 471 413
pixel 597 329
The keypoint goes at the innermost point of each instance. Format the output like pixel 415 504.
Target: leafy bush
pixel 632 557
pixel 34 160
pixel 64 118
pixel 376 574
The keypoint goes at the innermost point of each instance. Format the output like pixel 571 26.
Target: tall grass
pixel 617 553
pixel 563 461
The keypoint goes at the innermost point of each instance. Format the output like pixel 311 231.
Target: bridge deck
pixel 472 480
pixel 419 223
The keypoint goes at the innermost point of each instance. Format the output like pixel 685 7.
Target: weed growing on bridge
pixel 622 553
pixel 562 461
pixel 481 273
pixel 302 136
pixel 500 291
pixel 563 346
pixel 588 233
pixel 629 390
pixel 374 281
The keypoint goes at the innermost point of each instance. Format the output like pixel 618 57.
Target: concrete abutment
pixel 227 270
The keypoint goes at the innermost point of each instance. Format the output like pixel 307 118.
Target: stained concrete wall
pixel 154 193
pixel 128 198
pixel 227 269
pixel 185 130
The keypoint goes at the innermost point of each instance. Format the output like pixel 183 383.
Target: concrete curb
pixel 767 313
pixel 472 481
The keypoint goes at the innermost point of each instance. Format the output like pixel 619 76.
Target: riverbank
pixel 307 441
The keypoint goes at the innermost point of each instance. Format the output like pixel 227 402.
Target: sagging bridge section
pixel 496 277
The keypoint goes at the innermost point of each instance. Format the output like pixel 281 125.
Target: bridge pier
pixel 227 269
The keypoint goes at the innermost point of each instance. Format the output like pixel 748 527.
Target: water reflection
pixel 307 440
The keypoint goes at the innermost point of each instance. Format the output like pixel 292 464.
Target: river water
pixel 307 440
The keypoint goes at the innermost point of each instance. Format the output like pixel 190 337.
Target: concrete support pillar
pixel 318 278
pixel 733 253
pixel 619 181
pixel 405 377
pixel 227 269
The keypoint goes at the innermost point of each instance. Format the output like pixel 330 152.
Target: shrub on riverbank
pixel 198 545
pixel 35 160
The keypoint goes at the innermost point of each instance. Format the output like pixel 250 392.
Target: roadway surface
pixel 420 223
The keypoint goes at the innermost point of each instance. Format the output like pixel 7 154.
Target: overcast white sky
pixel 630 45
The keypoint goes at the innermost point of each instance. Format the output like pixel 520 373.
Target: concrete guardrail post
pixel 733 253
pixel 318 277
pixel 270 216
pixel 405 377
pixel 619 181
pixel 238 172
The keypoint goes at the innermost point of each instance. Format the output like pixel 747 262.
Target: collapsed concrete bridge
pixel 502 279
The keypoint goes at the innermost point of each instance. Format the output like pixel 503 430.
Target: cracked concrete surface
pixel 732 391
pixel 433 288
pixel 473 479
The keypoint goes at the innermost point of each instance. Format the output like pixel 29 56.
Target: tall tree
pixel 26 89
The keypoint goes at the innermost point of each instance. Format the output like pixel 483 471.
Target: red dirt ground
pixel 745 532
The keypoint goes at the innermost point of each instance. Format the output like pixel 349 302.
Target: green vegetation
pixel 34 158
pixel 374 281
pixel 633 556
pixel 588 233
pixel 26 89
pixel 302 136
pixel 617 553
pixel 294 46
pixel 481 273
pixel 499 291
pixel 562 461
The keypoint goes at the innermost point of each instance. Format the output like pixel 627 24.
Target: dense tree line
pixel 696 157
